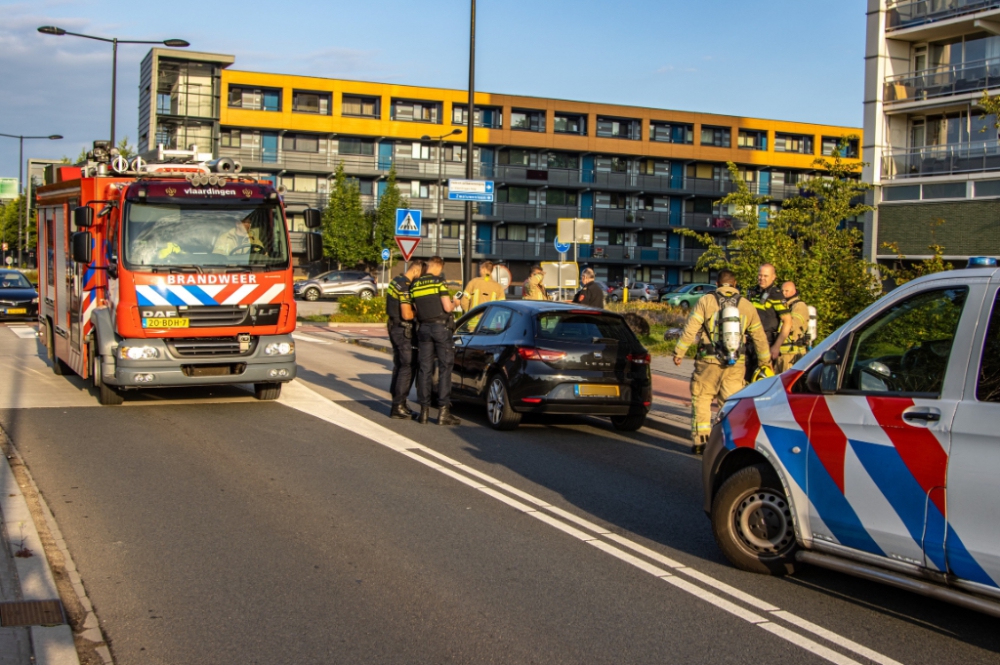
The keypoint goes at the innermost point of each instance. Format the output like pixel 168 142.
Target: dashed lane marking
pixel 302 398
pixel 309 338
pixel 24 332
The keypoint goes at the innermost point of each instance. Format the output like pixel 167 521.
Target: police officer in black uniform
pixel 433 307
pixel 402 335
pixel 775 317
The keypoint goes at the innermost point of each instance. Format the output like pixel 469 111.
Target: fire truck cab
pixel 171 274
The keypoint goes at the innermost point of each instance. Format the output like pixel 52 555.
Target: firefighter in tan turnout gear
pixel 724 320
pixel 802 334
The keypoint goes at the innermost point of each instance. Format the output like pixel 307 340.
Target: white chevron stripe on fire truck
pixel 186 296
pixel 270 294
pixel 237 297
pixel 151 295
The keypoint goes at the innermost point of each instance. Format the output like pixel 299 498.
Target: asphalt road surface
pixel 212 528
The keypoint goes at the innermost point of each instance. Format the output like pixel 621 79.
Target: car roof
pixel 533 306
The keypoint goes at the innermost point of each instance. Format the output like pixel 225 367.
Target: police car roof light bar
pixel 982 262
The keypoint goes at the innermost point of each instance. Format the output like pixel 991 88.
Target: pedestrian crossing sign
pixel 408 223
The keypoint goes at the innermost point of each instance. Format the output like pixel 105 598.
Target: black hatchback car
pixel 18 298
pixel 524 356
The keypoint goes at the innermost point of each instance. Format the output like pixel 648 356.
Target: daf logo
pixel 158 313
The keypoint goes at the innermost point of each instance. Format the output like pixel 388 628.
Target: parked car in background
pixel 527 356
pixel 668 288
pixel 18 298
pixel 686 296
pixel 641 291
pixel 337 283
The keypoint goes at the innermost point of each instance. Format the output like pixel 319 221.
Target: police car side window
pixel 907 347
pixel 988 385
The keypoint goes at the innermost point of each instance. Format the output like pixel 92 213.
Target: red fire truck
pixel 170 274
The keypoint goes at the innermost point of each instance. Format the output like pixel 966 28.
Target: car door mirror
pixel 458 341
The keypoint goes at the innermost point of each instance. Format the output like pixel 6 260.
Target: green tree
pixel 384 217
pixel 808 240
pixel 125 149
pixel 346 229
pixel 12 218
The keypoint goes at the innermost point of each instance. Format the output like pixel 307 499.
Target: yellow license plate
pixel 173 322
pixel 18 310
pixel 596 390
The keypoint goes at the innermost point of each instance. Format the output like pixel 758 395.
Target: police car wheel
pixel 498 411
pixel 311 295
pixel 752 522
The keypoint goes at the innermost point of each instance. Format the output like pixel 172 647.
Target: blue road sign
pixel 562 247
pixel 470 190
pixel 408 223
pixel 386 254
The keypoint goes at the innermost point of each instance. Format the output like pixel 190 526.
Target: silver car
pixel 640 291
pixel 337 283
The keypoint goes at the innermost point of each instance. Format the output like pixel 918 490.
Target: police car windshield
pixel 164 235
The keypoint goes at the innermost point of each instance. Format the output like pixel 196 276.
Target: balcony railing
pixel 920 12
pixel 943 81
pixel 942 160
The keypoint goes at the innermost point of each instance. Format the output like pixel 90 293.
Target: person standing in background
pixel 591 295
pixel 533 288
pixel 481 289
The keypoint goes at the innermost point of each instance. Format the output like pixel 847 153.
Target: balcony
pixel 942 160
pixel 921 12
pixel 256 158
pixel 635 219
pixel 531 213
pixel 632 255
pixel 306 199
pixel 948 81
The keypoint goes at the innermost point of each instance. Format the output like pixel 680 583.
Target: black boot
pixel 445 417
pixel 401 412
pixel 425 414
pixel 698 447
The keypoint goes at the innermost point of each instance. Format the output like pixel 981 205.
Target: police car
pixel 878 453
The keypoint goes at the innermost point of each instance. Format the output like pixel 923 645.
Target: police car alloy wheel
pixel 752 522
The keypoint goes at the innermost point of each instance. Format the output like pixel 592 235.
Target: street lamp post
pixel 114 41
pixel 22 224
pixel 470 172
pixel 440 150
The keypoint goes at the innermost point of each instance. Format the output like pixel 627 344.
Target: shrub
pixel 354 309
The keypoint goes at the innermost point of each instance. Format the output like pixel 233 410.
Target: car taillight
pixel 545 355
pixel 637 359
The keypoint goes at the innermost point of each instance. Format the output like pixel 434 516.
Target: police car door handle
pixel 926 416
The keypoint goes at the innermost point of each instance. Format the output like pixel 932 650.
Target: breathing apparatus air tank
pixel 812 331
pixel 729 329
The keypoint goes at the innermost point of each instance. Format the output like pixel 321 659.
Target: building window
pixel 419 190
pixel 751 139
pixel 300 183
pixel 560 197
pixel 717 136
pixel 486 116
pixel 254 99
pixel 362 107
pixel 420 151
pixel 563 160
pixel 513 195
pixel 831 147
pixel 611 200
pixel 300 143
pixel 454 153
pixel 231 138
pixel 311 102
pixel 618 128
pixel 163 104
pixel 517 232
pixel 671 132
pixel 528 121
pixel 351 146
pixel 416 111
pixel 516 157
pixel 799 143
pixel 570 123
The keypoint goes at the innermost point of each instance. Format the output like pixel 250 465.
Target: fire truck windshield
pixel 164 235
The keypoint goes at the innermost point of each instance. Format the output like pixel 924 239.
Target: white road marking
pixel 24 332
pixel 309 338
pixel 300 397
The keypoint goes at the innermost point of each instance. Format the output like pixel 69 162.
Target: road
pixel 212 528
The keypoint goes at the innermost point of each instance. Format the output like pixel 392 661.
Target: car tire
pixel 499 413
pixel 684 305
pixel 629 423
pixel 106 395
pixel 366 294
pixel 312 294
pixel 752 522
pixel 267 391
pixel 615 298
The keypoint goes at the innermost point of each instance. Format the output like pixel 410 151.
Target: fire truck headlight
pixel 138 352
pixel 279 349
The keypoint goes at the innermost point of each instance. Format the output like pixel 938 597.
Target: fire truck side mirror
pixel 81 246
pixel 83 217
pixel 313 218
pixel 314 247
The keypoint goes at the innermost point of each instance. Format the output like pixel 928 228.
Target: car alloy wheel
pixel 312 294
pixel 496 401
pixel 366 295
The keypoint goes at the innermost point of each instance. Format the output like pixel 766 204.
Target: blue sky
pixel 792 60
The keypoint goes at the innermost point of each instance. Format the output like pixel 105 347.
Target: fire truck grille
pixel 209 347
pixel 211 316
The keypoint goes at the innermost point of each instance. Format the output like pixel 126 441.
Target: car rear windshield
pixel 571 326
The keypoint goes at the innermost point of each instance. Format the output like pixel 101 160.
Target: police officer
pixel 399 309
pixel 774 316
pixel 795 344
pixel 714 378
pixel 433 307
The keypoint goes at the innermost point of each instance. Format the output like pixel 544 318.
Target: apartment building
pixel 642 174
pixel 933 154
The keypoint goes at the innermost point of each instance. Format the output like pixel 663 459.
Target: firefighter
pixel 434 308
pixel 533 288
pixel 724 319
pixel 482 289
pixel 399 309
pixel 241 239
pixel 797 340
pixel 774 316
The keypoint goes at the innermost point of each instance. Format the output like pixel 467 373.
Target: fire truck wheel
pixel 267 391
pixel 59 368
pixel 106 395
